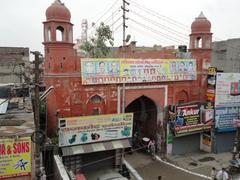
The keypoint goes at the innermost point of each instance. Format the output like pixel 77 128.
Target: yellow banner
pixel 15 157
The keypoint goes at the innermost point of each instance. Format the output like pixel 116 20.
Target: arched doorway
pixel 145 117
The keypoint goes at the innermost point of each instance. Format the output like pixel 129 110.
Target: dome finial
pixel 201 15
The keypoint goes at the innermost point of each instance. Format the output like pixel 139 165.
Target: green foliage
pixel 97 46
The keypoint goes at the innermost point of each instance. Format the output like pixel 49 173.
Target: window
pixel 60 33
pixel 96 99
pixel 49 34
pixel 198 42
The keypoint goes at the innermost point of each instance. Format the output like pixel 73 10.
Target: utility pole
pixel 124 21
pixel 36 108
pixel 124 46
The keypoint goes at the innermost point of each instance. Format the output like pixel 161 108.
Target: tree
pixel 97 46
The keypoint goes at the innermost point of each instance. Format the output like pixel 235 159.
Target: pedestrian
pixel 152 148
pixel 159 177
pixel 222 175
pixel 213 173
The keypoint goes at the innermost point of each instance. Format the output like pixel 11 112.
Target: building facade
pixel 14 62
pixel 226 55
pixel 148 100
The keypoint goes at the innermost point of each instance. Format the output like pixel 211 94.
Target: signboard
pixel 227 101
pixel 109 71
pixel 90 129
pixel 212 71
pixel 188 120
pixel 225 89
pixel 224 118
pixel 15 157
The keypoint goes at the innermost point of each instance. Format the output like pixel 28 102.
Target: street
pixel 150 170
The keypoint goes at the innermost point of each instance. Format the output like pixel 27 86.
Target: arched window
pixel 49 38
pixel 70 36
pixel 60 33
pixel 96 99
pixel 198 42
pixel 182 97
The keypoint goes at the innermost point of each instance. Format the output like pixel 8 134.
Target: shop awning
pixel 95 147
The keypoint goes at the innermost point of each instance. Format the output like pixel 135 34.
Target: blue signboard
pixel 224 118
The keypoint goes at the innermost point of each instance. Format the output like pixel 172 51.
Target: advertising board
pixel 15 157
pixel 227 101
pixel 109 71
pixel 90 129
pixel 188 120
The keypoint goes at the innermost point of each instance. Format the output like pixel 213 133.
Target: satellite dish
pixel 128 37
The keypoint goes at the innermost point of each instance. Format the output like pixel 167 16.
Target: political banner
pixel 15 157
pixel 89 129
pixel 110 71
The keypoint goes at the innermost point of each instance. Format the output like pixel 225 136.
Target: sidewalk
pixel 201 162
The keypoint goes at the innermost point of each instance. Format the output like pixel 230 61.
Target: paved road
pixel 150 170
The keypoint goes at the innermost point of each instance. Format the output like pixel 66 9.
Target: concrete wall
pixel 186 144
pixel 13 63
pixel 226 55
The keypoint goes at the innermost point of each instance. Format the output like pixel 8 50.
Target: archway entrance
pixel 145 117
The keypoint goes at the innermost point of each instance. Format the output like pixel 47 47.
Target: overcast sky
pixel 167 23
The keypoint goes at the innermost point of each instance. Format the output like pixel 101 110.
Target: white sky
pixel 21 20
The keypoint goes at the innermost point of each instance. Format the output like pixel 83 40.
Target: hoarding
pixel 15 157
pixel 90 129
pixel 188 120
pixel 224 118
pixel 227 101
pixel 109 71
pixel 226 89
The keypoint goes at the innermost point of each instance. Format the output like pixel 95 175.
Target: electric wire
pixel 158 32
pixel 149 34
pixel 116 12
pixel 170 30
pixel 165 18
pixel 105 12
pixel 118 27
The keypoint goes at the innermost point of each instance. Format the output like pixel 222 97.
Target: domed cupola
pixel 201 24
pixel 58 11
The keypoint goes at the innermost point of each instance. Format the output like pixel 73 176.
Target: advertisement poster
pixel 212 71
pixel 108 71
pixel 15 157
pixel 188 120
pixel 206 142
pixel 227 101
pixel 224 118
pixel 226 89
pixel 89 129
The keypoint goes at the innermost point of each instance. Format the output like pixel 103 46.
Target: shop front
pixel 188 127
pixel 90 143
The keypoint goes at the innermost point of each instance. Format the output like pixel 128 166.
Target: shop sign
pixel 15 157
pixel 224 118
pixel 90 129
pixel 109 71
pixel 188 120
